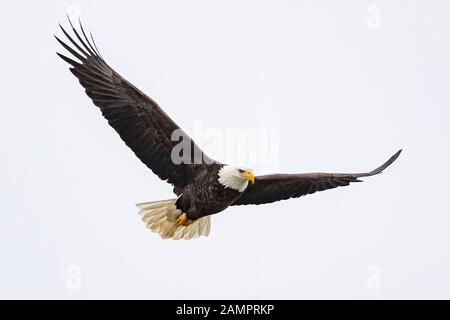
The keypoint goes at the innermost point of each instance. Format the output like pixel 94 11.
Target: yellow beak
pixel 251 176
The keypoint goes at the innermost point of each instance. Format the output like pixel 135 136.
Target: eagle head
pixel 235 177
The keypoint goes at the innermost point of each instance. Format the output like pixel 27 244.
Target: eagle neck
pixel 229 178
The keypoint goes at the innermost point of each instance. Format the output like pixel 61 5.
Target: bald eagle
pixel 202 186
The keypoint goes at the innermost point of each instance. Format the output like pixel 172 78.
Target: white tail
pixel 161 216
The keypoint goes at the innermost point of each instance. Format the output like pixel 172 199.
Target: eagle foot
pixel 183 220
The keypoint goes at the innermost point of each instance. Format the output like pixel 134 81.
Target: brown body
pixel 196 200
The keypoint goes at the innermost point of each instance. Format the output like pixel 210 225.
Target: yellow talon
pixel 183 220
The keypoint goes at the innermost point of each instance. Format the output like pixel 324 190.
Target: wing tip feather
pixel 391 160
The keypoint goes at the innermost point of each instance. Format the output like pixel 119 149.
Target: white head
pixel 235 178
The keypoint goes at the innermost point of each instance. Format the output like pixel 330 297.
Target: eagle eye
pixel 241 171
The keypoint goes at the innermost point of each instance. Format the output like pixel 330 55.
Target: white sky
pixel 344 85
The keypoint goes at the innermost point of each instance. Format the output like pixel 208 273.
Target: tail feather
pixel 153 204
pixel 161 216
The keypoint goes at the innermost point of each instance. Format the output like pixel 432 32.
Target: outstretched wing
pixel 276 187
pixel 140 122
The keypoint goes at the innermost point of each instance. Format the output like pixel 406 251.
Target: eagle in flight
pixel 202 186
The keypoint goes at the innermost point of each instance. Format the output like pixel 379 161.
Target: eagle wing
pixel 276 187
pixel 140 122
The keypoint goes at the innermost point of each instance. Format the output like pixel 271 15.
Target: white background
pixel 345 89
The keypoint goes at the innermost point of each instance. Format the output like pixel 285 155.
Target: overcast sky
pixel 334 86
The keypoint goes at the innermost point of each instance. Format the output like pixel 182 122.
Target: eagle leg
pixel 183 220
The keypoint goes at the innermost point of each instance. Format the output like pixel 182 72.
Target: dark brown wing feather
pixel 276 187
pixel 140 122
